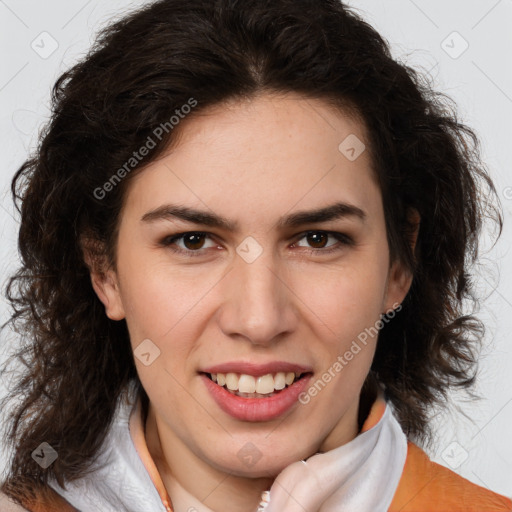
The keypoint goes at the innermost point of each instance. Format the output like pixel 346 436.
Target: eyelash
pixel 344 239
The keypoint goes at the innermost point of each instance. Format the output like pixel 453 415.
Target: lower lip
pixel 256 409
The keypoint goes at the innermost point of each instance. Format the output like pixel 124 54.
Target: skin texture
pixel 252 163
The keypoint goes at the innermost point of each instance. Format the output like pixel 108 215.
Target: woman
pixel 246 237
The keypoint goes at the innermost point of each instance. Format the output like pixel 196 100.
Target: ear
pixel 400 277
pixel 104 279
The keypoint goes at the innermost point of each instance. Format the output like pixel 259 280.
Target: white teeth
pixel 232 381
pixel 280 381
pixel 247 384
pixel 264 384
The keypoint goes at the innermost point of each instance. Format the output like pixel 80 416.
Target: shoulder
pixel 429 487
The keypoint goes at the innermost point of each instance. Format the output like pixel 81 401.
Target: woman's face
pixel 284 269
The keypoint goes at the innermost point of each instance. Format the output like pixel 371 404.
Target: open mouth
pixel 248 386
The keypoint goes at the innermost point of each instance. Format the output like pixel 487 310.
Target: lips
pixel 234 386
pixel 257 370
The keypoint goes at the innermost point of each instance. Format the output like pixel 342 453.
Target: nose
pixel 258 303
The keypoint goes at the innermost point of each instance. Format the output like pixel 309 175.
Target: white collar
pixel 359 476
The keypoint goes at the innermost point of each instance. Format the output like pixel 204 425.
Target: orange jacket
pixel 429 487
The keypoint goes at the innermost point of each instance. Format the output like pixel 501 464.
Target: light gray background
pixel 421 33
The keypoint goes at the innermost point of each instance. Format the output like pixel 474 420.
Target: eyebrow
pixel 328 213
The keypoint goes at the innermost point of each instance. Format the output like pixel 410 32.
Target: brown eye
pixel 194 241
pixel 317 239
pixel 191 243
pixel 320 242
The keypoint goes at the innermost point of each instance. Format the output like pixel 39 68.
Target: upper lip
pixel 257 370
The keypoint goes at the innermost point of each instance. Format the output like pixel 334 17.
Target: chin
pixel 250 462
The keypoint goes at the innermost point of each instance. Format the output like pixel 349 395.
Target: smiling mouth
pixel 248 386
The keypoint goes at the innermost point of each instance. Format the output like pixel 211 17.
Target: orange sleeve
pixel 429 487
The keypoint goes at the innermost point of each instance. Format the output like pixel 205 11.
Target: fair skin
pixel 303 300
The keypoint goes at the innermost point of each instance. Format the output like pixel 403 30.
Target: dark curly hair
pixel 140 71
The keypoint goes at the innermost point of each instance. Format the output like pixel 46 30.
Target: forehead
pixel 261 157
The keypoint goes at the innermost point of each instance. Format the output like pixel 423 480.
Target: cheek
pixel 159 300
pixel 166 311
pixel 344 300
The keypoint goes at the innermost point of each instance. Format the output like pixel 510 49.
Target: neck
pixel 215 489
pixel 218 490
